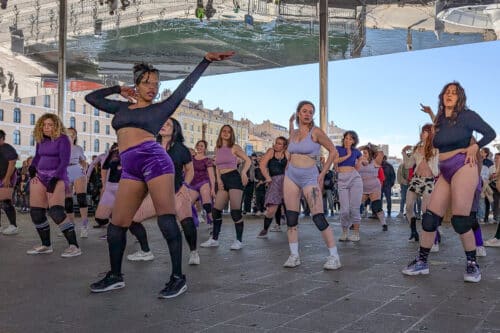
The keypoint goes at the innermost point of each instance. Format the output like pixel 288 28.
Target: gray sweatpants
pixel 350 192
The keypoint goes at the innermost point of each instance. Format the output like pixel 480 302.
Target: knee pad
pixel 430 221
pixel 39 217
pixel 292 218
pixel 207 207
pixel 236 215
pixel 461 224
pixel 68 205
pixel 217 214
pixel 376 206
pixel 101 221
pixel 82 200
pixel 320 221
pixel 57 214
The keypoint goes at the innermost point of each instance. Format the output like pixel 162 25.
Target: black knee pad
pixel 461 224
pixel 217 214
pixel 38 215
pixel 292 218
pixel 376 206
pixel 101 221
pixel 57 214
pixel 236 215
pixel 68 205
pixel 430 221
pixel 207 207
pixel 82 200
pixel 320 221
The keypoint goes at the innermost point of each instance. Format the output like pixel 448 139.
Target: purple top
pixel 351 161
pixel 368 171
pixel 52 156
pixel 224 158
pixel 77 155
pixel 201 170
pixel 306 146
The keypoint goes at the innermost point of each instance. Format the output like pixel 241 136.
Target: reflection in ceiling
pixel 105 37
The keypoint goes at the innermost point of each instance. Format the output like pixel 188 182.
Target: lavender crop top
pixel 305 147
pixel 77 155
pixel 351 161
pixel 224 158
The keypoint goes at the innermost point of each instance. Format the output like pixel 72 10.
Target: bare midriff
pixel 346 169
pixel 302 161
pixel 450 154
pixel 130 136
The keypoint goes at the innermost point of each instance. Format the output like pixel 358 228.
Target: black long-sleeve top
pixel 150 118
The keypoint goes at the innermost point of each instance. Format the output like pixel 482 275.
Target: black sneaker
pixel 174 287
pixel 109 282
pixel 384 227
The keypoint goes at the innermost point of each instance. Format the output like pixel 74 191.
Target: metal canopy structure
pixel 104 40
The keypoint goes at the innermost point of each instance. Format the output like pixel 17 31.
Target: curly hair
pixel 140 69
pixel 354 137
pixel 371 149
pixel 459 107
pixel 58 127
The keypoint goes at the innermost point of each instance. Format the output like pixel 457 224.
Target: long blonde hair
pixel 58 127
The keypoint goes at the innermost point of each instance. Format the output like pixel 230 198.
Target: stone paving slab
pixel 249 290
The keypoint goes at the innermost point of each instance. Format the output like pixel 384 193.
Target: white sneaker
pixel 71 251
pixel 275 228
pixel 10 230
pixel 236 245
pixel 141 256
pixel 400 215
pixel 354 237
pixel 42 249
pixel 194 258
pixel 84 232
pixel 210 243
pixel 332 262
pixel 435 247
pixel 344 236
pixel 292 261
pixel 480 251
pixel 494 242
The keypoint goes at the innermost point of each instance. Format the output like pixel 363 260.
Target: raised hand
pixel 219 56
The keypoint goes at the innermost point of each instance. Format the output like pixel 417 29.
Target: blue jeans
pixel 402 203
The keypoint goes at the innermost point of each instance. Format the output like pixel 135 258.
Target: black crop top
pixel 457 134
pixel 276 167
pixel 150 118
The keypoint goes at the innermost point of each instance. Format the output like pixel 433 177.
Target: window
pixel 108 130
pixel 192 140
pixel 96 126
pixel 17 115
pixel 46 101
pixel 33 101
pixel 32 119
pixel 191 127
pixel 84 126
pixel 72 105
pixel 84 109
pixel 1 114
pixel 96 112
pixel 107 146
pixel 185 126
pixel 32 140
pixel 17 137
pixel 96 145
pixel 108 115
pixel 84 145
pixel 72 122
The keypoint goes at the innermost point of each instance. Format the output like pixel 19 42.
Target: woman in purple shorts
pixel 49 179
pixel 77 183
pixel 303 178
pixel 204 178
pixel 272 166
pixel 454 126
pixel 145 166
pixel 8 178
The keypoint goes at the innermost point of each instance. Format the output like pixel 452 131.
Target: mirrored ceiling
pixel 105 38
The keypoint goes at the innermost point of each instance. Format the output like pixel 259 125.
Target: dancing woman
pixel 8 178
pixel 204 177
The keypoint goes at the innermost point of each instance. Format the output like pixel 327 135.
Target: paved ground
pixel 249 290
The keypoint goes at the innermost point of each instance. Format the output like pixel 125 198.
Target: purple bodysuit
pixel 52 159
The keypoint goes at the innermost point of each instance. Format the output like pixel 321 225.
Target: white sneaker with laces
pixel 84 232
pixel 71 251
pixel 10 230
pixel 344 236
pixel 354 237
pixel 210 243
pixel 141 256
pixel 494 242
pixel 292 261
pixel 435 247
pixel 332 262
pixel 194 258
pixel 480 251
pixel 275 228
pixel 237 245
pixel 41 249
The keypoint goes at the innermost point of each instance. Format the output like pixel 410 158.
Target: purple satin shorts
pixel 145 161
pixel 45 176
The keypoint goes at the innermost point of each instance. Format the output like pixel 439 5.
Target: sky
pixel 379 97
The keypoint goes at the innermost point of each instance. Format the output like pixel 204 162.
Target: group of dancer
pixel 150 172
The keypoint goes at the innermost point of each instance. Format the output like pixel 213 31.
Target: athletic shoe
pixel 10 230
pixel 384 227
pixel 344 236
pixel 109 282
pixel 84 232
pixel 494 242
pixel 332 262
pixel 480 251
pixel 435 247
pixel 275 228
pixel 210 243
pixel 262 234
pixel 354 237
pixel 400 215
pixel 416 267
pixel 472 272
pixel 292 261
pixel 71 251
pixel 174 287
pixel 236 245
pixel 42 249
pixel 141 256
pixel 103 237
pixel 194 258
